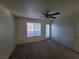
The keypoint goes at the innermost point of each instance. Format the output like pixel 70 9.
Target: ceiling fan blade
pixel 44 13
pixel 57 13
pixel 53 17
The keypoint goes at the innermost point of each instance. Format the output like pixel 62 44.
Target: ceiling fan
pixel 47 14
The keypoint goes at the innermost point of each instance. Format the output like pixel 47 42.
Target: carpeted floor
pixel 43 50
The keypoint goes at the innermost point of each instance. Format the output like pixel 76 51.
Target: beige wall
pixel 63 30
pixel 76 46
pixel 7 33
pixel 66 31
pixel 21 30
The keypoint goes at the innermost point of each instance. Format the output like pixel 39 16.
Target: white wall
pixel 21 30
pixel 7 33
pixel 63 30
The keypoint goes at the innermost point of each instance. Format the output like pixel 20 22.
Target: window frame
pixel 33 35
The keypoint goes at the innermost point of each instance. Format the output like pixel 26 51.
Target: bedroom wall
pixel 7 33
pixel 76 46
pixel 66 31
pixel 63 30
pixel 21 30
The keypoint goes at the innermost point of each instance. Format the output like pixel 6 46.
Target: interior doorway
pixel 47 31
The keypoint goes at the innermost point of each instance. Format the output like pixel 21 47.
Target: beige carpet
pixel 43 50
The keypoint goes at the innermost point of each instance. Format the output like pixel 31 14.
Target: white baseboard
pixel 11 51
pixel 4 57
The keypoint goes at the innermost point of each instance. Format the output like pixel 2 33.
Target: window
pixel 33 29
pixel 47 30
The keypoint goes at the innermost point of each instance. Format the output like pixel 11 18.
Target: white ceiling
pixel 32 8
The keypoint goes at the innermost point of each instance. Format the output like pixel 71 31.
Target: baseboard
pixel 11 52
pixel 29 43
pixel 4 57
pixel 71 49
pixel 7 57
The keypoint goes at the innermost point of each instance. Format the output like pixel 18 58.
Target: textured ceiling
pixel 33 8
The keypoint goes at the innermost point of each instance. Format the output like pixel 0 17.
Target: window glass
pixel 33 29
